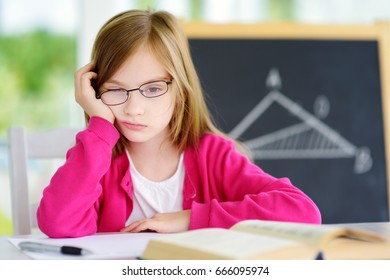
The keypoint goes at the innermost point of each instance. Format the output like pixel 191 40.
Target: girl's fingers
pixel 85 94
pixel 136 226
pixel 163 222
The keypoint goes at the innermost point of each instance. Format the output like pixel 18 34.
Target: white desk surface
pixel 9 252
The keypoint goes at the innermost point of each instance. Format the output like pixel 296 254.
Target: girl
pixel 150 158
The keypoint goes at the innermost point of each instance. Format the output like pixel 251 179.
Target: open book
pixel 255 239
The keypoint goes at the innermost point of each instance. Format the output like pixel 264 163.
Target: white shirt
pixel 150 197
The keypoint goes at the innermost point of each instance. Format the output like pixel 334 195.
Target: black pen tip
pixel 320 256
pixel 69 250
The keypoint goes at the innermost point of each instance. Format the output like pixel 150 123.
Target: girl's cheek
pixel 162 108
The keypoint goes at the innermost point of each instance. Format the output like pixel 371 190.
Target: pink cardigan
pixel 92 193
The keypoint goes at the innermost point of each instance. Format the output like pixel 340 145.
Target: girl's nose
pixel 134 104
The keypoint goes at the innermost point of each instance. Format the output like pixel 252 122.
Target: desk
pixel 10 252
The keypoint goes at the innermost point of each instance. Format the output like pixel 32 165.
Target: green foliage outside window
pixel 36 71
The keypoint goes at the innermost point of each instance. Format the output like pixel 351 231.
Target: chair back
pixel 23 146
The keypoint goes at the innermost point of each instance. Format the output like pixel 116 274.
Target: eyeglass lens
pixel 149 90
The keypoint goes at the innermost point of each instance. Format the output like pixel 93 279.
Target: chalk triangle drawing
pixel 309 139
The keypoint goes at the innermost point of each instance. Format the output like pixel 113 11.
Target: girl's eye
pixel 153 89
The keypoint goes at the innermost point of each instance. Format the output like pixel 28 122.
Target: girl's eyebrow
pixel 113 82
pixel 120 84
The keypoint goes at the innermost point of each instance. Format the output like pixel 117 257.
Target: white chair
pixel 22 146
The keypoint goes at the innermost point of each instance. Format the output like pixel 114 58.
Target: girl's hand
pixel 85 94
pixel 163 223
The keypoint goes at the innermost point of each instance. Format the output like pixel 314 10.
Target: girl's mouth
pixel 134 126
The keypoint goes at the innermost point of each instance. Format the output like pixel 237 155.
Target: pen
pixel 46 248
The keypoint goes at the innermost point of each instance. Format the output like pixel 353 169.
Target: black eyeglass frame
pixel 99 95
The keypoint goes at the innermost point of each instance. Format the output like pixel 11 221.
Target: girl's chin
pixel 133 138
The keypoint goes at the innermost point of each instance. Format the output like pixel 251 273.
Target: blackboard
pixel 310 108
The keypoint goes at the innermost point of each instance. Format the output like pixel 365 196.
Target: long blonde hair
pixel 162 33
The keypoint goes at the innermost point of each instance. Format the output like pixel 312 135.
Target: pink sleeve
pixel 70 203
pixel 239 190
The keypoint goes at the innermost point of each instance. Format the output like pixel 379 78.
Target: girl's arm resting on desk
pixel 236 190
pixel 275 205
pixel 69 206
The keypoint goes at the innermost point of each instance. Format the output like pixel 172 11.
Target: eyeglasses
pixel 113 97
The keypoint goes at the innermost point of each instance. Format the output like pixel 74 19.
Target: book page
pixel 310 234
pixel 216 243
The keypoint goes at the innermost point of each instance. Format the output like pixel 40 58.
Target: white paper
pixel 103 246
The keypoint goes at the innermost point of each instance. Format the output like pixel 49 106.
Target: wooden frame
pixel 379 32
